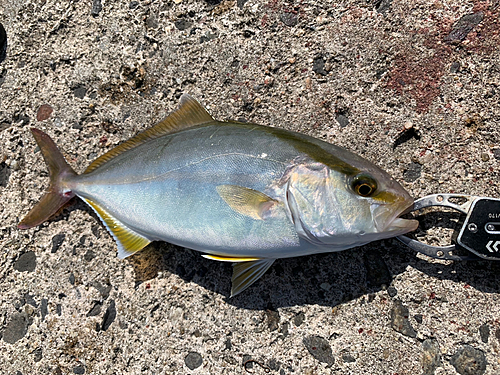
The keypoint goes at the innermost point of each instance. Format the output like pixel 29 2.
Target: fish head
pixel 348 206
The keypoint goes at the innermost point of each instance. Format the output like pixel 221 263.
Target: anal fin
pixel 246 273
pixel 128 241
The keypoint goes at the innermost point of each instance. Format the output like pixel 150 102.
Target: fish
pixel 237 192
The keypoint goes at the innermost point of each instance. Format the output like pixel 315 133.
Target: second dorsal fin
pixel 190 113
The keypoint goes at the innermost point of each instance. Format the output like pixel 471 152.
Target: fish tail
pixel 57 195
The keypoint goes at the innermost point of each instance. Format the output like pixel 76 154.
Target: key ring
pixel 443 252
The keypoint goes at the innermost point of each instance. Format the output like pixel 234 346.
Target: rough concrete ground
pixel 413 86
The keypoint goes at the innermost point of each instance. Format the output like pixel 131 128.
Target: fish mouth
pixel 401 226
pixel 388 220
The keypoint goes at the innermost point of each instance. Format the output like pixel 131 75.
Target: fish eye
pixel 364 185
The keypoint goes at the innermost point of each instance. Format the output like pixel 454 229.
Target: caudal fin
pixel 56 196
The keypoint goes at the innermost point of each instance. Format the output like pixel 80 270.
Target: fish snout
pixel 387 217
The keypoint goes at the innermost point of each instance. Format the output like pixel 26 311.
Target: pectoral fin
pixel 128 241
pixel 246 273
pixel 247 201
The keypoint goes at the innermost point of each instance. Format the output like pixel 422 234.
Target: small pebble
pixel 183 24
pixel 273 319
pixel 16 328
pixel 152 22
pixel 319 65
pixel 485 156
pixel 284 328
pixel 383 6
pixel 399 320
pixel 89 255
pixel 463 27
pixel 469 361
pixel 4 174
pixel 320 349
pixel 133 4
pixel 299 319
pixel 37 355
pixel 95 310
pixel 213 2
pixel 57 241
pixel 484 333
pixel 44 112
pixel 109 316
pixel 380 73
pixel 413 172
pixel 80 369
pixel 240 3
pixel 79 91
pixel 26 262
pixel 391 291
pixel 103 289
pixel 347 358
pixel 496 153
pixel 289 19
pixel 207 37
pixel 193 360
pixel 44 308
pixel 455 67
pixel 245 359
pixel 431 356
pixel 342 120
pixel 96 8
pixel 273 364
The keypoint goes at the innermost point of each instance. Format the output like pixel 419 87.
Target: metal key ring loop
pixel 440 200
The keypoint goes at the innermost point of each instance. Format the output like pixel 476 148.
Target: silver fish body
pixel 241 192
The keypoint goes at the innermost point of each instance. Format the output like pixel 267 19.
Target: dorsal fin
pixel 190 113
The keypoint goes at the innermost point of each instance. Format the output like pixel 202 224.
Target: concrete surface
pixel 414 88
